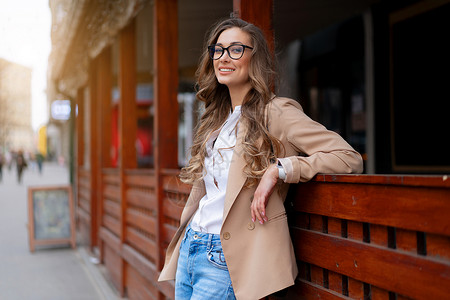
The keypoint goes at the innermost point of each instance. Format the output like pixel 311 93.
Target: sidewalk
pixel 47 274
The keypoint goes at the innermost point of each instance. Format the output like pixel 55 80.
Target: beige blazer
pixel 260 258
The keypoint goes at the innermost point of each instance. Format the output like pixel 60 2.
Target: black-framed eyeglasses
pixel 234 51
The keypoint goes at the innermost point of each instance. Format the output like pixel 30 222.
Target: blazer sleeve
pixel 309 146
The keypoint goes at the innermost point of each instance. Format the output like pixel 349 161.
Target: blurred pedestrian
pixel 233 240
pixel 39 160
pixel 2 161
pixel 21 164
pixel 8 160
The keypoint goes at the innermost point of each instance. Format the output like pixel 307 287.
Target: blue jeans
pixel 202 272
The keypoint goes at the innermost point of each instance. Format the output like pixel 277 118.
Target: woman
pixel 233 240
pixel 21 164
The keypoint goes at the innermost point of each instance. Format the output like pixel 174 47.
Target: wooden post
pixel 80 129
pixel 165 101
pixel 104 129
pixel 80 145
pixel 105 86
pixel 93 152
pixel 127 124
pixel 259 13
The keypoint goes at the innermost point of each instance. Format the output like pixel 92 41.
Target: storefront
pixel 128 68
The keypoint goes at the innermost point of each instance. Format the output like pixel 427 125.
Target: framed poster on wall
pixel 50 216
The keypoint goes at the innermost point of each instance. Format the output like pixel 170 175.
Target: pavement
pixel 50 273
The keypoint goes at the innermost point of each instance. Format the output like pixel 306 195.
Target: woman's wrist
pixel 281 171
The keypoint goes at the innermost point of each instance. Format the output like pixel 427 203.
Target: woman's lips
pixel 226 70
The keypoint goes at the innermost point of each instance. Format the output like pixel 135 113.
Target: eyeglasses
pixel 234 51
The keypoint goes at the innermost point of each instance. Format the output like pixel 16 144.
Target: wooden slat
pixel 137 287
pixel 438 246
pixel 415 208
pixel 112 224
pixel 407 274
pixel 303 271
pixel 355 230
pixel 84 183
pixel 111 240
pixel 317 275
pixel 441 181
pixel 334 226
pixel 112 179
pixel 85 205
pixel 84 216
pixel 147 269
pixel 114 265
pixel 172 183
pixel 172 209
pixel 110 171
pixel 169 232
pixel 84 194
pixel 300 220
pixel 378 235
pixel 406 240
pixel 111 192
pixel 112 208
pixel 141 221
pixel 147 181
pixel 141 242
pixel 308 291
pixel 141 199
pixel 85 173
pixel 379 294
pixel 355 289
pixel 316 223
pixel 140 173
pixel 335 282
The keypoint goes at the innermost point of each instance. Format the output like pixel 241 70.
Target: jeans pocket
pixel 216 258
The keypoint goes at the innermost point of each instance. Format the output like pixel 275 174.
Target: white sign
pixel 60 109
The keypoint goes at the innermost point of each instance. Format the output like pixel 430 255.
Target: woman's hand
pixel 262 194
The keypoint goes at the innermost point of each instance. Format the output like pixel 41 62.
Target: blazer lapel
pixel 236 176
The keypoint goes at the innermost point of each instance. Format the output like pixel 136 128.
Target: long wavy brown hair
pixel 260 147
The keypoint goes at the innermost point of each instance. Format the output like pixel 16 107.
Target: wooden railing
pixel 83 206
pixel 371 237
pixel 355 236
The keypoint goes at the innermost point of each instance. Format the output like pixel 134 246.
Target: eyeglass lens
pixel 234 51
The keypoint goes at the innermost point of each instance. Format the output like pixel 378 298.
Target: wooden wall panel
pixel 138 287
pixel 165 103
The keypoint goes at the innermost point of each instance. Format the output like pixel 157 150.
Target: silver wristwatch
pixel 281 172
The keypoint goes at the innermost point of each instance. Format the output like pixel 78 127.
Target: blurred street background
pixel 103 93
pixel 48 273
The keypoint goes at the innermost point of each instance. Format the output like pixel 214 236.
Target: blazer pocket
pixel 277 217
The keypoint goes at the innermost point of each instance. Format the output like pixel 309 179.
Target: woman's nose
pixel 225 56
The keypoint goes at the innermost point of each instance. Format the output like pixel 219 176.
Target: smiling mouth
pixel 226 70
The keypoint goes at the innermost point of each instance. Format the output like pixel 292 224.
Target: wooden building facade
pixel 126 68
